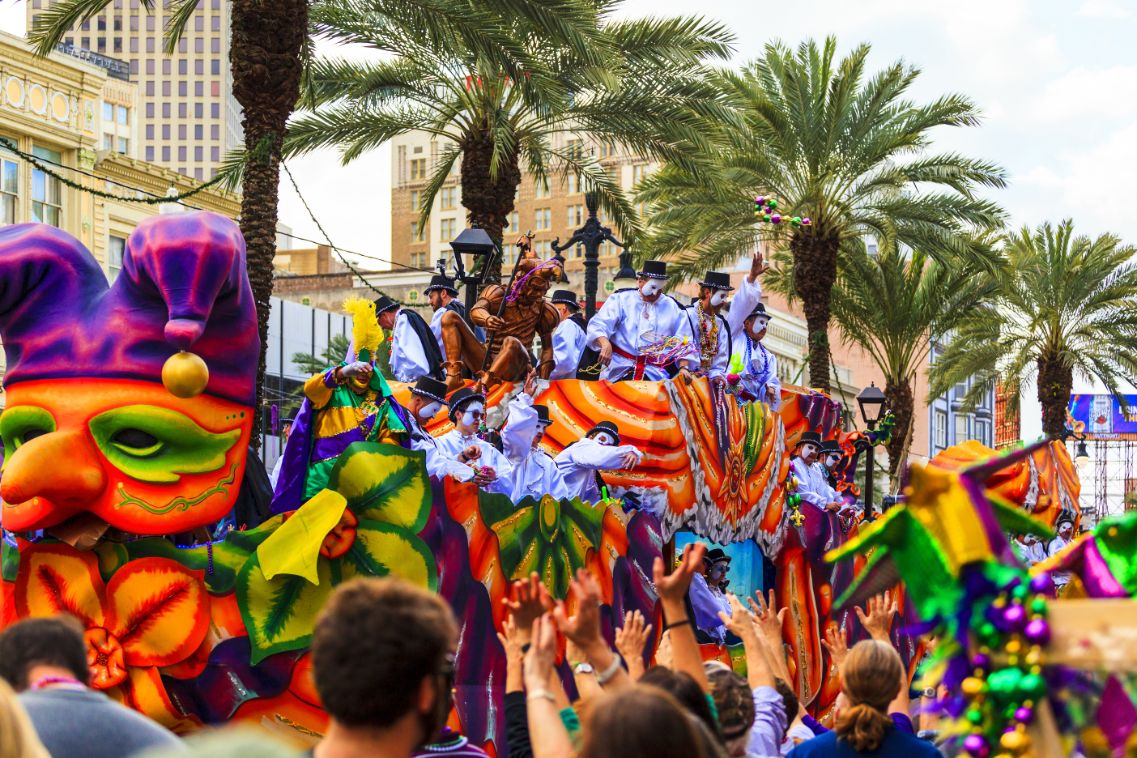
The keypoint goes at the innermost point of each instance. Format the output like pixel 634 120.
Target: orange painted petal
pixel 145 693
pixel 159 611
pixel 56 579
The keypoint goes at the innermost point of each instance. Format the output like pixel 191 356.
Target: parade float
pixel 128 414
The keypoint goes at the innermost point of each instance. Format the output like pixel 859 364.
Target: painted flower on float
pixel 144 389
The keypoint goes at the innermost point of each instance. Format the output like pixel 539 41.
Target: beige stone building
pixel 187 117
pixel 53 109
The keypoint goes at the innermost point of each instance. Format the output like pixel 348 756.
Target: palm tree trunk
pixel 815 271
pixel 489 199
pixel 900 400
pixel 267 39
pixel 1055 382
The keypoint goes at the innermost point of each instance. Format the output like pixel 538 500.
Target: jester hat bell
pixel 183 287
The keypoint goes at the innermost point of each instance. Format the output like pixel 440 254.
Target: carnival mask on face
pixel 430 410
pixel 808 451
pixel 473 414
pixel 651 289
pixel 92 422
pixel 603 438
pixel 718 298
pixel 832 459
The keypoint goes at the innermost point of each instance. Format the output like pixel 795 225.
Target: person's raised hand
pixel 673 587
pixel 529 601
pixel 739 621
pixel 767 616
pixel 757 266
pixel 584 627
pixel 663 656
pixel 630 460
pixel 878 621
pixel 542 653
pixel 512 638
pixel 632 637
pixel 530 387
pixel 835 642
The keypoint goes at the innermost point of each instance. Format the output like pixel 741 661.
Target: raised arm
pixel 672 589
pixel 584 630
pixel 758 672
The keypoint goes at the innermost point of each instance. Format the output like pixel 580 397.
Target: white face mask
pixel 429 410
pixel 808 450
pixel 473 414
pixel 652 288
pixel 832 460
pixel 603 438
pixel 718 298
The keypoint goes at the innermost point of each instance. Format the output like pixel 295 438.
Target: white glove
pixel 358 368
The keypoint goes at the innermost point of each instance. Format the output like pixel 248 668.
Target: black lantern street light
pixel 871 400
pixel 476 242
pixel 591 235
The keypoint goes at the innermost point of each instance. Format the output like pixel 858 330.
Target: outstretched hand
pixel 530 388
pixel 530 600
pixel 584 627
pixel 878 622
pixel 767 616
pixel 542 653
pixel 632 637
pixel 836 644
pixel 738 622
pixel 673 587
pixel 757 266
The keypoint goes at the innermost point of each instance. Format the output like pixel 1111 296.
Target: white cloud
pixel 1102 9
pixel 1087 93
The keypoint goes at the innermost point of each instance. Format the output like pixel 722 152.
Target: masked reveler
pixel 630 324
pixel 598 450
pixel 708 595
pixel 534 472
pixel 492 470
pixel 428 397
pixel 569 336
pixel 1065 529
pixel 707 330
pixel 813 485
pixel 347 403
pixel 756 374
pixel 414 349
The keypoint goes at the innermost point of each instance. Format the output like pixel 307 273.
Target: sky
pixel 1056 88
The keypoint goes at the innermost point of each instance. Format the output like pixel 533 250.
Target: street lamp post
pixel 476 242
pixel 871 400
pixel 591 235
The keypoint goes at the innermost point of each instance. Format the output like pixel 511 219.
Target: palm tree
pixel 829 143
pixel 649 93
pixel 270 44
pixel 1064 305
pixel 894 307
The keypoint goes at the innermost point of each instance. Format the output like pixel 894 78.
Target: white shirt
pixel 438 465
pixel 454 442
pixel 568 344
pixel 276 467
pixel 579 462
pixel 1061 578
pixel 692 329
pixel 408 359
pixel 811 485
pixel 436 327
pixel 625 320
pixel 745 300
pixel 759 376
pixel 534 472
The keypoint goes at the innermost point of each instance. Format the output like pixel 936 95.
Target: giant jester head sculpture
pixel 92 424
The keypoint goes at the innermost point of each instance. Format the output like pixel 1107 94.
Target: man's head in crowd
pixel 383 657
pixel 39 647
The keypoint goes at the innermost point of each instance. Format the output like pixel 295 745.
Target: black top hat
pixel 715 556
pixel 566 297
pixel 811 437
pixel 830 446
pixel 653 270
pixel 462 398
pixel 441 282
pixel 716 280
pixel 430 388
pixel 384 304
pixel 759 310
pixel 605 426
pixel 542 414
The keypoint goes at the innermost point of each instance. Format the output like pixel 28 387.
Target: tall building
pixel 188 118
pixel 61 110
pixel 550 210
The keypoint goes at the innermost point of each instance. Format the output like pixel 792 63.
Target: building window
pixel 575 215
pixel 198 153
pixel 574 149
pixel 199 67
pixel 606 150
pixel 108 113
pixel 939 429
pixel 961 433
pixel 9 190
pixel 541 188
pixel 123 145
pixel 639 173
pixel 47 191
pixel 199 89
pixel 983 431
pixel 416 199
pixel 959 390
pixel 449 198
pixel 215 67
pixel 447 229
pixel 165 153
pixel 181 131
pixel 573 182
pixel 418 169
pixel 417 232
pixel 108 142
pixel 543 249
pixel 183 109
pixel 215 110
pixel 543 219
pixel 215 133
pixel 512 224
pixel 165 131
pixel 116 246
pixel 122 114
pixel 150 153
pixel 418 260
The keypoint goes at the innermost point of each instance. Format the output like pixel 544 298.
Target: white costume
pixel 625 319
pixel 568 344
pixel 534 472
pixel 454 442
pixel 408 357
pixel 812 485
pixel 436 326
pixel 579 462
pixel 691 328
pixel 1061 578
pixel 759 374
pixel 438 464
pixel 745 300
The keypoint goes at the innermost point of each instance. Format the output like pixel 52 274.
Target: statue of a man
pixel 526 315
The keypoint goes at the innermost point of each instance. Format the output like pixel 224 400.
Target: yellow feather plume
pixel 366 334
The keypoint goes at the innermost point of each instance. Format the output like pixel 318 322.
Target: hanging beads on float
pixel 765 210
